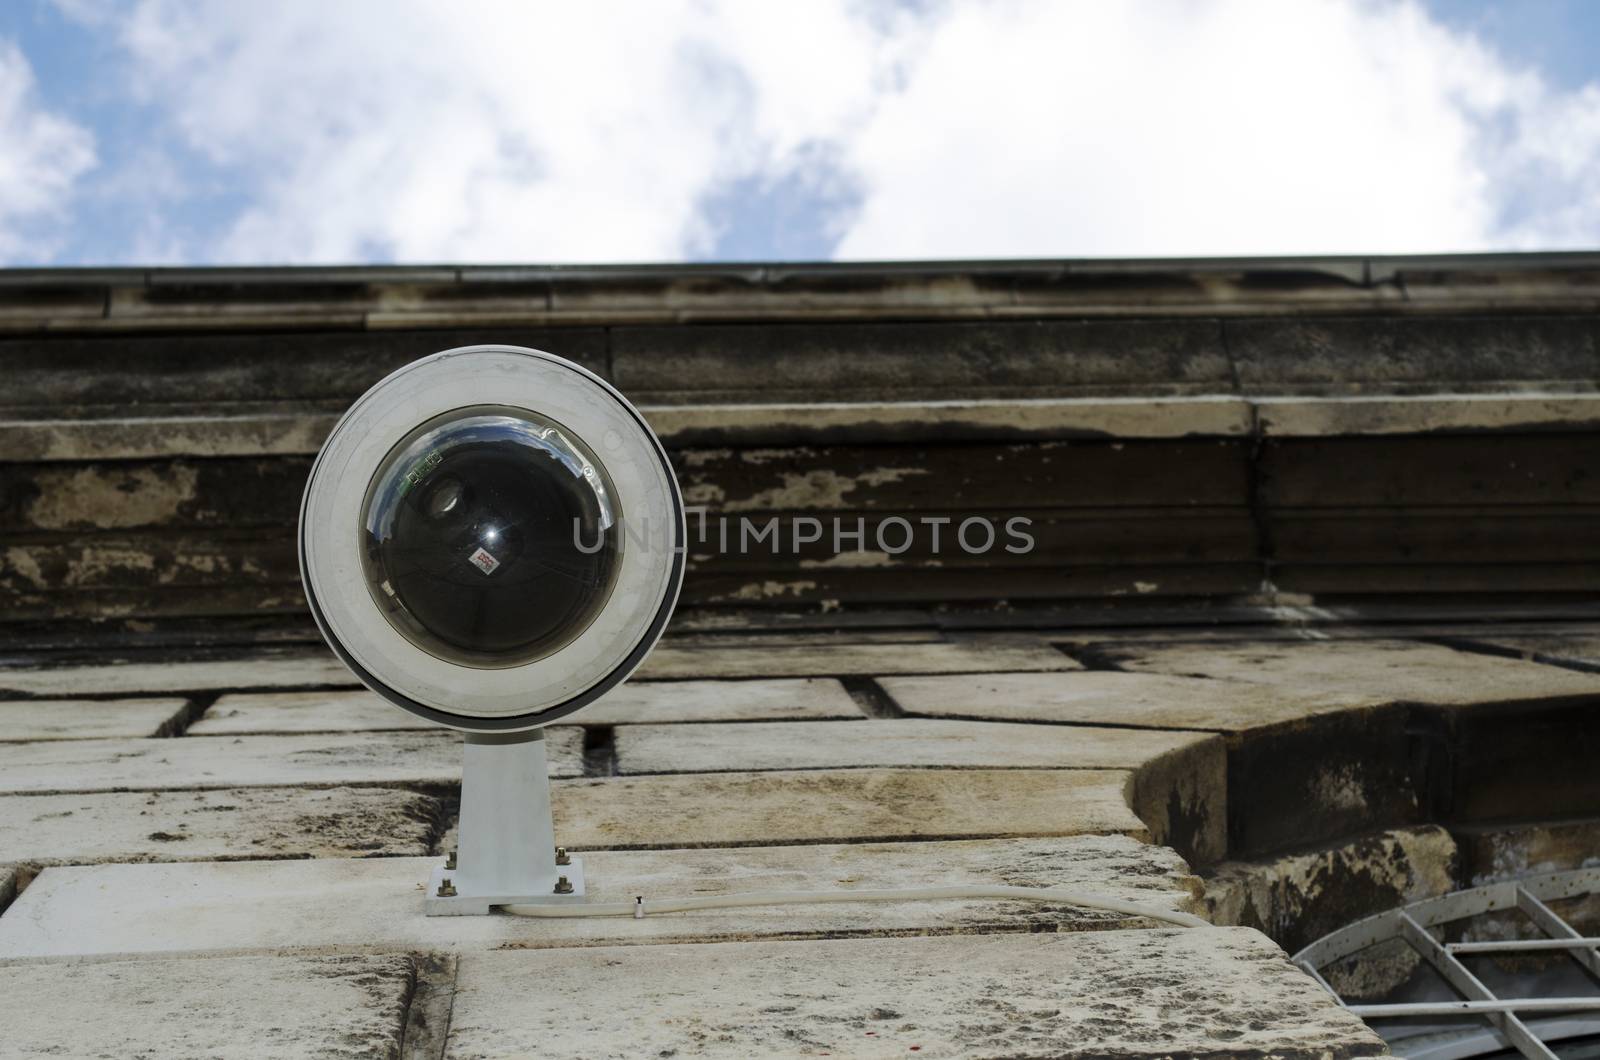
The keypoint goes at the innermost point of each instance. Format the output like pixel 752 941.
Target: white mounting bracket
pixel 507 851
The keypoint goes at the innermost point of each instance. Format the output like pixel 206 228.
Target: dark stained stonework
pixel 1316 780
pixel 1295 899
pixel 260 364
pixel 158 424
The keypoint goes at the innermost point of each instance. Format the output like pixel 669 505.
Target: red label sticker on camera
pixel 483 561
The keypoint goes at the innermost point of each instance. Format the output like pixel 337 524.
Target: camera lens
pixel 491 536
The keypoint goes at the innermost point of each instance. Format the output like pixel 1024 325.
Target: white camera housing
pixel 487 697
pixel 491 538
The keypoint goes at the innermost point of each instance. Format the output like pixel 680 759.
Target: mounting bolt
pixel 562 858
pixel 450 862
pixel 447 889
pixel 563 885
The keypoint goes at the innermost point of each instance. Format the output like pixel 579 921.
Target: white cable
pixel 639 907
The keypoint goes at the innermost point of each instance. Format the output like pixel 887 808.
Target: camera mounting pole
pixel 507 851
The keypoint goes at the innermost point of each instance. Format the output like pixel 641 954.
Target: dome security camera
pixel 492 538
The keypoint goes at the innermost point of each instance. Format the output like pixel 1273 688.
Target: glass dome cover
pixel 490 537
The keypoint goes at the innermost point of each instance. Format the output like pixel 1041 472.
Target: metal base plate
pixel 465 903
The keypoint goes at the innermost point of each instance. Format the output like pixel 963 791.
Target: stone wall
pixel 1279 432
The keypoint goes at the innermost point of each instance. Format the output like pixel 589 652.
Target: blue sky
pixel 1559 38
pixel 163 132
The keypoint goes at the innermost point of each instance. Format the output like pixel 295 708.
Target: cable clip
pixel 638 907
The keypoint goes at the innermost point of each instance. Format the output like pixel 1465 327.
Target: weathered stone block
pixel 1298 898
pixel 1389 414
pixel 914 742
pixel 216 825
pixel 1182 794
pixel 1354 353
pixel 636 701
pixel 730 809
pixel 1144 700
pixel 1490 853
pixel 1310 781
pixel 1577 650
pixel 1390 671
pixel 281 713
pixel 316 669
pixel 1509 761
pixel 1209 992
pixel 850 361
pixel 199 762
pixel 809 660
pixel 377 902
pixel 266 1007
pixel 88 719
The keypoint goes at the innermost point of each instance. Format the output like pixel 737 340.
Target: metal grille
pixel 1518 1022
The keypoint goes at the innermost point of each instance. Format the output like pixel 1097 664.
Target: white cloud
pixel 41 158
pixel 1243 127
pixel 576 132
pixel 486 131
